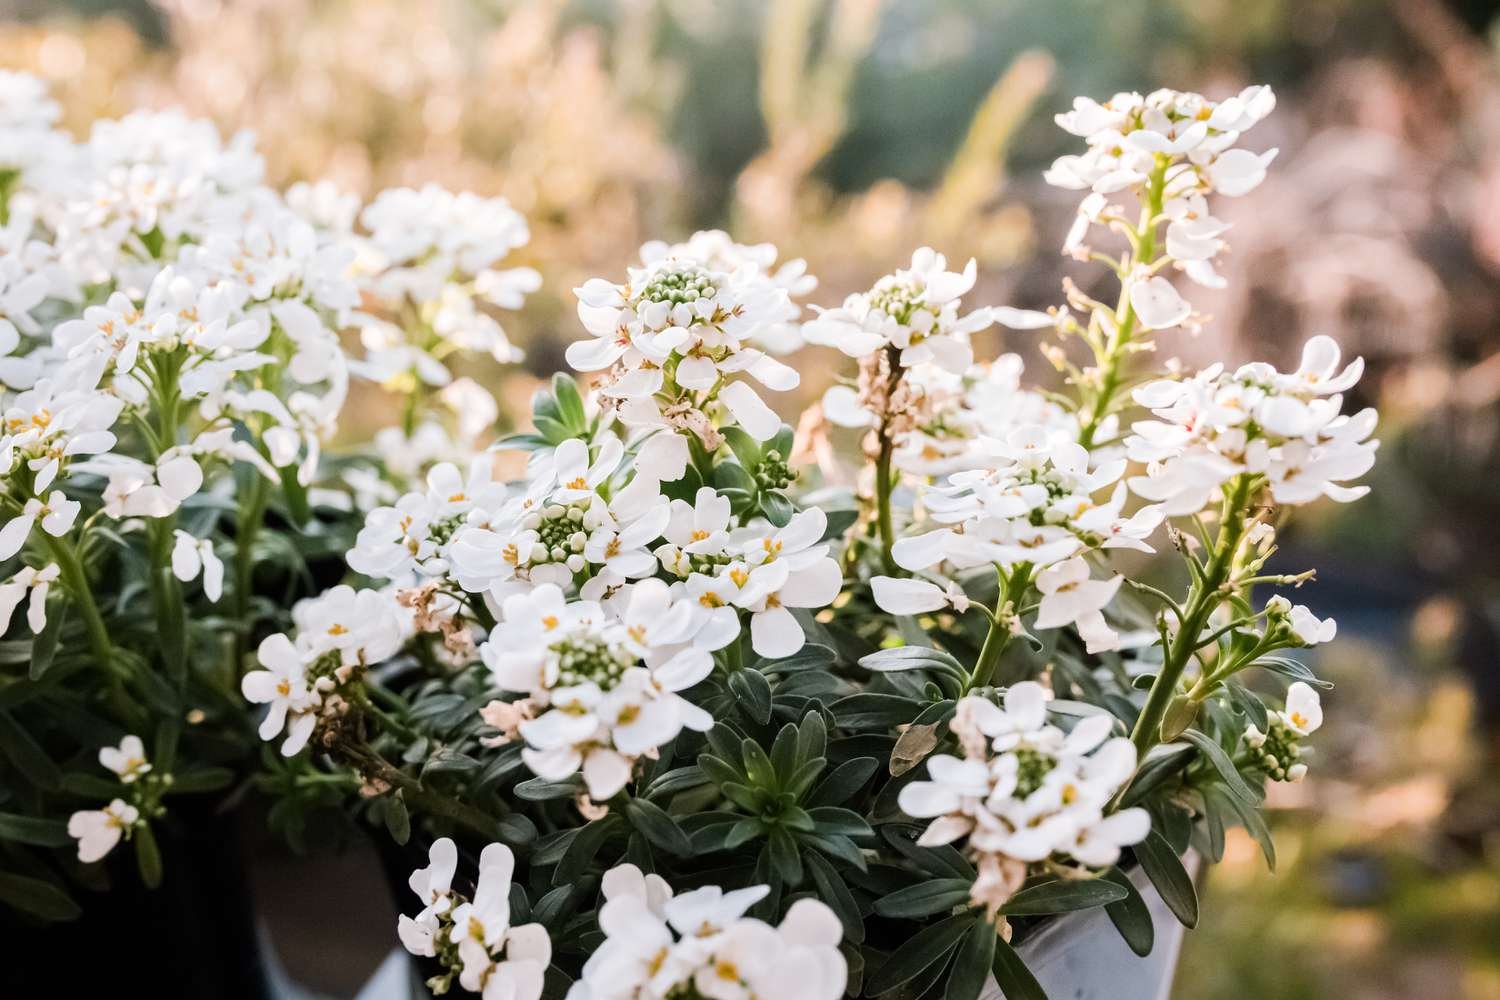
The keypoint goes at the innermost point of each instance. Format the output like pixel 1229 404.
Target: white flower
pixel 128 760
pixel 284 687
pixel 1286 427
pixel 911 596
pixel 191 556
pixel 790 569
pixel 1026 791
pixel 362 626
pixel 56 516
pixel 1304 710
pixel 99 830
pixel 493 958
pixel 657 945
pixel 914 310
pixel 1069 597
pixel 1157 304
pixel 35 581
pixel 680 312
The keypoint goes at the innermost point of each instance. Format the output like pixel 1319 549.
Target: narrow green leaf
pixel 397 819
pixel 1015 980
pixel 833 891
pixel 925 898
pixel 27 755
pixel 1062 896
pixel 200 779
pixel 971 966
pixel 930 944
pixel 840 784
pixel 1221 763
pixel 44 646
pixel 33 830
pixel 752 692
pixel 42 899
pixel 784 856
pixel 147 855
pixel 1131 916
pixel 1162 865
pixel 659 828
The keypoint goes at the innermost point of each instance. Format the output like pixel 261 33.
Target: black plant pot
pixel 192 937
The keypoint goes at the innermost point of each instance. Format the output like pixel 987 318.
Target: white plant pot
pixel 1082 957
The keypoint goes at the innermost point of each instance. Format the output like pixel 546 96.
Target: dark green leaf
pixel 840 784
pixel 971 966
pixel 42 899
pixel 44 646
pixel 31 830
pixel 1221 763
pixel 1162 865
pixel 541 790
pixel 835 821
pixel 937 895
pixel 659 828
pixel 1131 916
pixel 753 694
pixel 1015 980
pixel 833 891
pixel 1061 896
pixel 784 856
pixel 397 819
pixel 27 755
pixel 776 507
pixel 201 779
pixel 929 945
pixel 147 855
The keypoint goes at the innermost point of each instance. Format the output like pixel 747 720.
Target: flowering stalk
pixel 1205 595
pixel 1111 359
pixel 884 481
pixel 76 580
pixel 1002 622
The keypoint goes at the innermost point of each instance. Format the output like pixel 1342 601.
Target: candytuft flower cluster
pixel 934 709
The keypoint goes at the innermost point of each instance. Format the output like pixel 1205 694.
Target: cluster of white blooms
pixel 1287 428
pixel 675 334
pixel 718 251
pixel 1024 790
pixel 1277 752
pixel 659 945
pixel 339 632
pixel 913 311
pixel 1040 506
pixel 951 412
pixel 1171 150
pixel 473 937
pixel 99 830
pixel 758 568
pixel 430 256
pixel 601 682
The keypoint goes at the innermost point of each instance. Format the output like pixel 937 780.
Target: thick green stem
pixel 1010 590
pixel 884 481
pixel 252 513
pixel 1125 319
pixel 1206 596
pixel 883 521
pixel 76 580
pixel 372 765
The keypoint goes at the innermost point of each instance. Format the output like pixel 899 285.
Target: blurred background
pixel 849 132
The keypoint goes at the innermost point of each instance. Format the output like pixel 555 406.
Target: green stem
pixel 252 512
pixel 76 580
pixel 1125 319
pixel 372 765
pixel 884 481
pixel 1204 598
pixel 998 637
